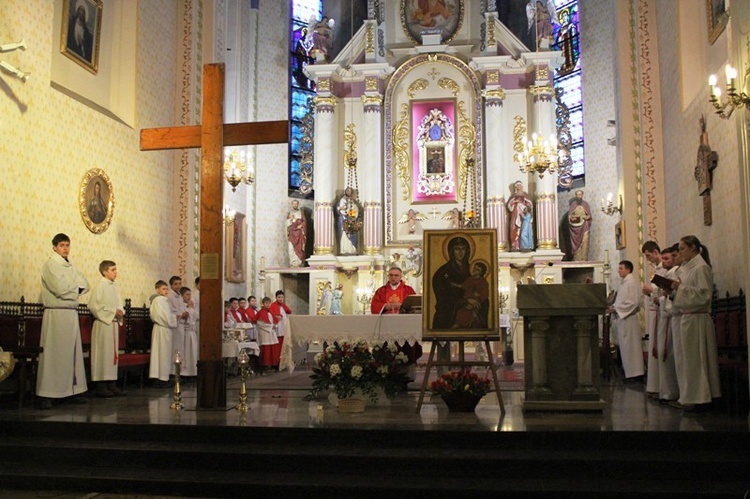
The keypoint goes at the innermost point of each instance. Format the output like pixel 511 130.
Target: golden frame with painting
pixel 718 17
pixel 460 299
pixel 235 244
pixel 620 241
pixel 80 41
pixel 96 200
pixel 444 18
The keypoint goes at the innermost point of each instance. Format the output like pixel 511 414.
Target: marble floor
pixel 627 409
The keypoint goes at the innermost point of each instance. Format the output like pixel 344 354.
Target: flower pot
pixel 351 404
pixel 461 402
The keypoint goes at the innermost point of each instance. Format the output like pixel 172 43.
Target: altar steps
pixel 202 461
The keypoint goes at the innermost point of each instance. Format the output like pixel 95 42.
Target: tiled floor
pixel 627 409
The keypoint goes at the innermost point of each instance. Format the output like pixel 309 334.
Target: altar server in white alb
pixel 626 306
pixel 693 293
pixel 187 326
pixel 165 324
pixel 61 372
pixel 652 253
pixel 106 307
pixel 669 389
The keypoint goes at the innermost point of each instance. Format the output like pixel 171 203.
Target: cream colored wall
pixel 48 141
pixel 724 238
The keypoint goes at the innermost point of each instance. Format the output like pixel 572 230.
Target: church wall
pixel 597 63
pixel 271 195
pixel 59 139
pixel 684 208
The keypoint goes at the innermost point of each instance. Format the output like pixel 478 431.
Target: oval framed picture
pixel 96 200
pixel 432 17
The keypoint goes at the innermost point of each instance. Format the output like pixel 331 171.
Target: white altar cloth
pixel 401 328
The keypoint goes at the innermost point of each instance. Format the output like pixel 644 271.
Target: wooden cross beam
pixel 212 136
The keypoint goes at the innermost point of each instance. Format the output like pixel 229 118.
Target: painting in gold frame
pixel 235 243
pixel 717 18
pixel 80 33
pixel 620 241
pixel 444 17
pixel 460 284
pixel 96 200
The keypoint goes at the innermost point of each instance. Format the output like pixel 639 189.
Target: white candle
pixel 606 257
pixel 262 263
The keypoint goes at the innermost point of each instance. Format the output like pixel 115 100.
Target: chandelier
pixel 733 99
pixel 236 169
pixel 538 155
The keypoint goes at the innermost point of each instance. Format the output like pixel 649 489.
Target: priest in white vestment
pixel 165 323
pixel 626 306
pixel 106 307
pixel 61 371
pixel 693 294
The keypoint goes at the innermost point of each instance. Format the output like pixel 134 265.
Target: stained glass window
pixel 568 75
pixel 300 87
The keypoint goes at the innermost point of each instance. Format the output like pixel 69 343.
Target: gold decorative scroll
pixel 541 90
pixel 468 136
pixel 319 287
pixel 491 42
pixel 350 147
pixel 495 93
pixel 416 86
pixel 400 140
pixel 519 134
pixel 372 100
pixel 448 84
pixel 325 101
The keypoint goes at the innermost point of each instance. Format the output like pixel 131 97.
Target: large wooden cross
pixel 211 136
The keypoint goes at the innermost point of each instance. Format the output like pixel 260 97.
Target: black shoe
pixel 102 391
pixel 634 379
pixel 112 387
pixel 698 408
pixel 44 403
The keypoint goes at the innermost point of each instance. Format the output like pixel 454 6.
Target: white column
pixel 371 182
pixel 497 216
pixel 325 174
pixel 546 191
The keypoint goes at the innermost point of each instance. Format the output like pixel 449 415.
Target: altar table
pixel 401 328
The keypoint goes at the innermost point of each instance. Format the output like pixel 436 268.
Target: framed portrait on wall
pixel 717 18
pixel 96 200
pixel 431 17
pixel 235 244
pixel 81 32
pixel 460 284
pixel 620 235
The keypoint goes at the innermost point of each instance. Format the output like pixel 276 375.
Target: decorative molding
pixel 468 135
pixel 491 42
pixel 324 84
pixel 492 77
pixel 372 103
pixel 542 93
pixel 416 86
pixel 400 139
pixel 371 83
pixel 325 104
pixel 542 73
pixel 448 84
pixel 370 38
pixel 519 134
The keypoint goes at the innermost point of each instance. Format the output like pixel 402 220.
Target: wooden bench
pixel 731 341
pixel 21 332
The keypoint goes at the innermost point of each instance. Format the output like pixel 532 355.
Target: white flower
pixel 392 347
pixel 401 357
pixel 330 349
pixel 357 372
pixel 318 357
pixel 383 370
pixel 335 369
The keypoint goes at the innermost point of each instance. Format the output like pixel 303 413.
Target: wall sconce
pixel 228 215
pixel 733 99
pixel 236 169
pixel 609 207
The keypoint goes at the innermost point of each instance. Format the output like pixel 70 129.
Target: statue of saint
pixel 579 220
pixel 296 234
pixel 519 205
pixel 348 222
pixel 338 294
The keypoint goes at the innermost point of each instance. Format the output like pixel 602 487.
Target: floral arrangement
pixel 389 365
pixel 345 367
pixel 460 382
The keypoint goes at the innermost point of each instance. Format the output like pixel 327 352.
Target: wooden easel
pixel 462 362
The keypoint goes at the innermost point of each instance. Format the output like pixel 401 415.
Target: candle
pixel 606 257
pixel 262 263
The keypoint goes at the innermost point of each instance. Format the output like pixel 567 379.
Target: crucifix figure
pixel 703 172
pixel 212 136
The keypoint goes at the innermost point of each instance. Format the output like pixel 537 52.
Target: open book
pixel 663 282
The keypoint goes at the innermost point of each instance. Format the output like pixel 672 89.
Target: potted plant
pixel 347 369
pixel 390 368
pixel 461 390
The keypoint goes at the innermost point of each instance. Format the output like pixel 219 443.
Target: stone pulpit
pixel 562 345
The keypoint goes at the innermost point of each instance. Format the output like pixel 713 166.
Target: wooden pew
pixel 731 342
